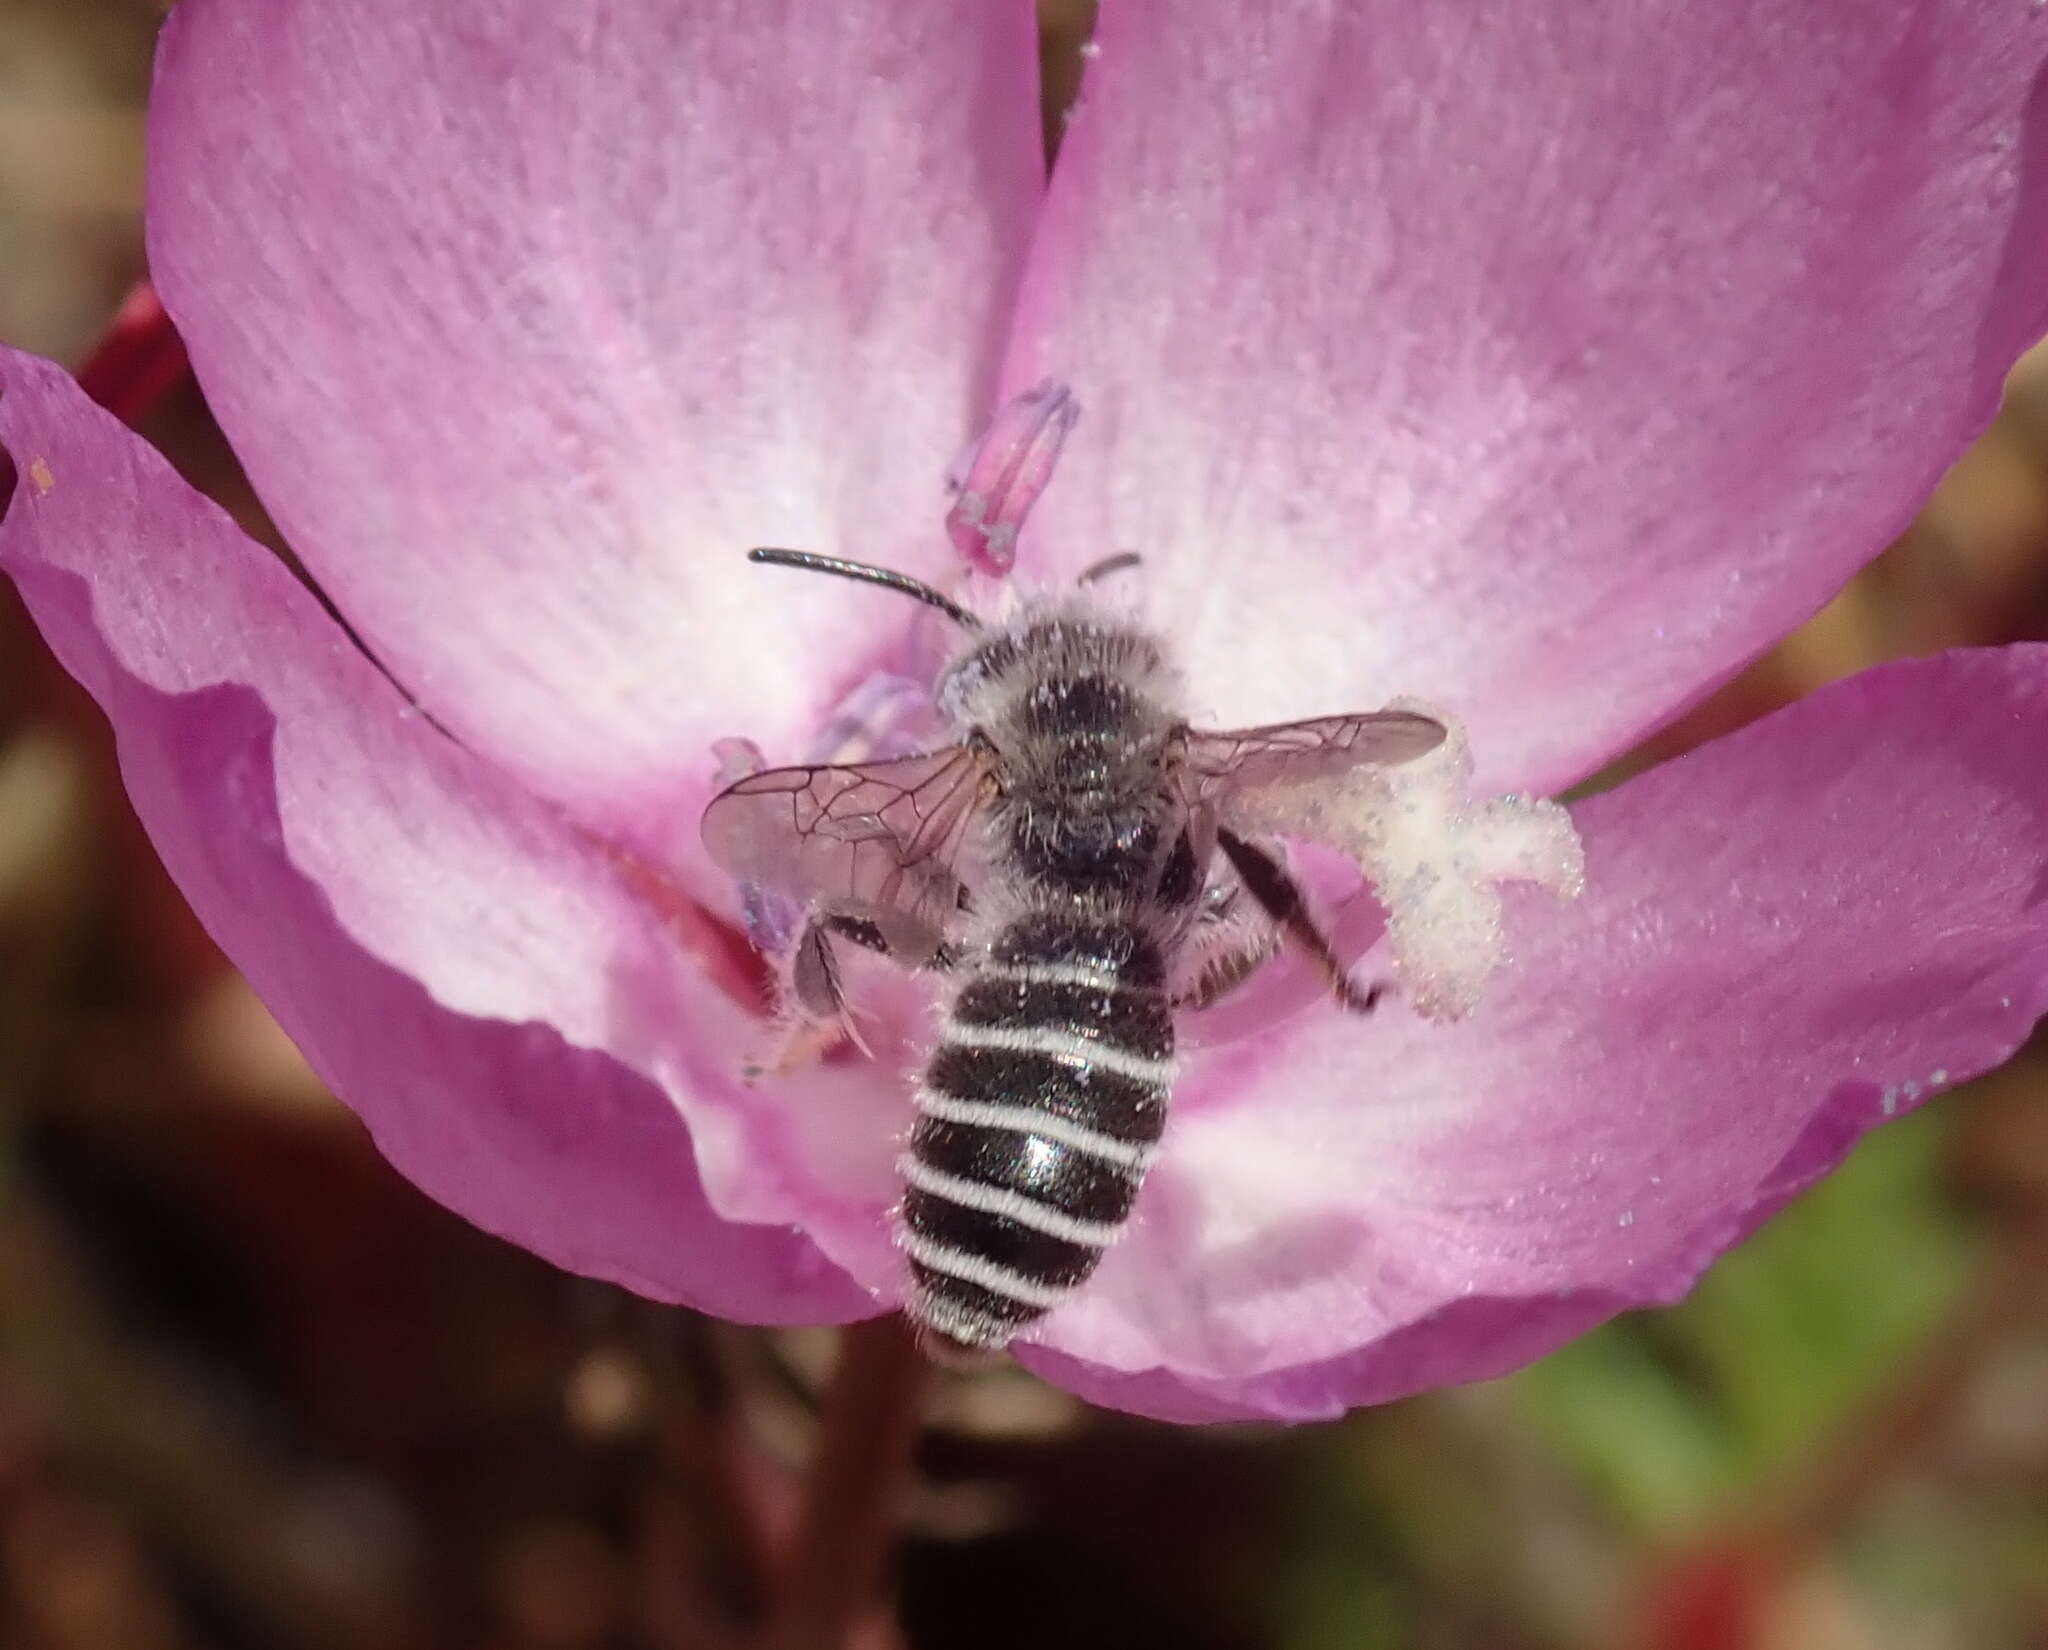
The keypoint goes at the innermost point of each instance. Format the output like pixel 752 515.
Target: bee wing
pixel 876 840
pixel 1221 764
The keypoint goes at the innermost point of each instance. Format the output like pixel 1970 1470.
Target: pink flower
pixel 1543 363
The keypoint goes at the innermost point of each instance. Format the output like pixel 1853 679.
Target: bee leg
pixel 814 974
pixel 1222 971
pixel 857 929
pixel 814 1015
pixel 1229 941
pixel 1279 896
pixel 945 955
pixel 813 1004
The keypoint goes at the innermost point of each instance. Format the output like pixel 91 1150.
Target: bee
pixel 1068 863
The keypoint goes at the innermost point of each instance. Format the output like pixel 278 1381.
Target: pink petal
pixel 452 957
pixel 1788 936
pixel 1541 364
pixel 529 321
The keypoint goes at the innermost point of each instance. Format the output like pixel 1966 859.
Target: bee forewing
pixel 871 838
pixel 1295 753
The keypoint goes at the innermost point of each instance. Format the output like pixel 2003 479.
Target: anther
pixel 998 478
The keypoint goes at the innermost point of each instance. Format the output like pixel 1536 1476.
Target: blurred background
pixel 257 1392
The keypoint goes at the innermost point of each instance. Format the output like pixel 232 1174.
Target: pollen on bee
pixel 1437 857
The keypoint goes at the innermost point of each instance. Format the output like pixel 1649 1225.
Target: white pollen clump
pixel 1436 857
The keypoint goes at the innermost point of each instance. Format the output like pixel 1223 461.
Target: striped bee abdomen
pixel 1037 1119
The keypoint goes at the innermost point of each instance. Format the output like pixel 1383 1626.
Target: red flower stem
pixel 138 361
pixel 830 1580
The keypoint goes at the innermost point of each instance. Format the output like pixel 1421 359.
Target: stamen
pixel 999 477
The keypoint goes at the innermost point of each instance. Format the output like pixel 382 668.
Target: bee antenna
pixel 872 575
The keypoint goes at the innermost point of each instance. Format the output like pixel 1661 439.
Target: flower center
pixel 1434 855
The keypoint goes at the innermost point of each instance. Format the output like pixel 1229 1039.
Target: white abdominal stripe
pixel 1008 1204
pixel 984 1273
pixel 1133 1157
pixel 1072 1047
